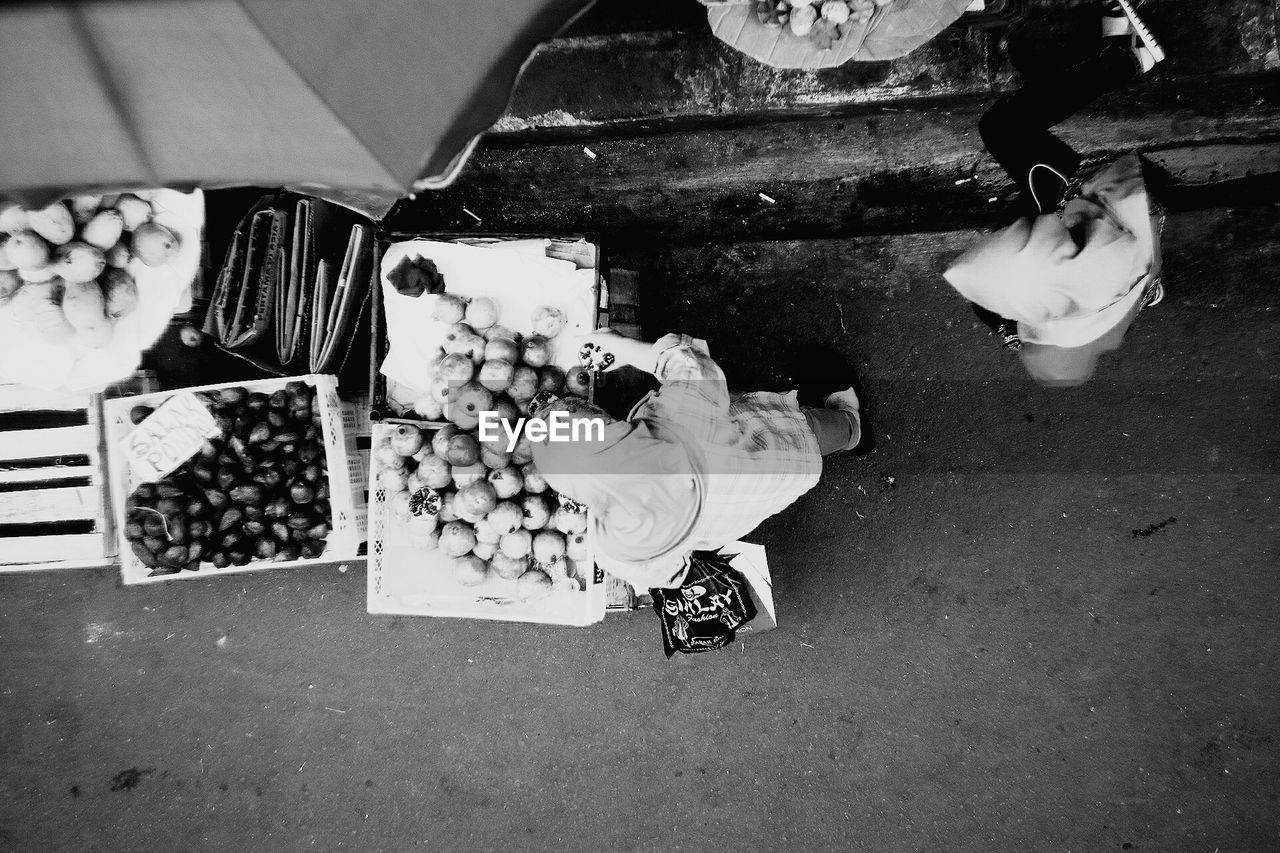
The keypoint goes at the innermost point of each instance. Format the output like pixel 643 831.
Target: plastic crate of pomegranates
pixel 232 478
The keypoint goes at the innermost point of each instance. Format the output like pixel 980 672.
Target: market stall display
pixel 240 477
pixel 461 522
pixel 827 33
pixel 89 283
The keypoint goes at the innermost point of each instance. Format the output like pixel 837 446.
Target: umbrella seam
pixel 395 179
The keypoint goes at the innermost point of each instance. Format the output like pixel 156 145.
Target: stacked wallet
pixel 292 289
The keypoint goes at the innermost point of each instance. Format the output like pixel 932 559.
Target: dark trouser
pixel 1015 130
pixel 834 429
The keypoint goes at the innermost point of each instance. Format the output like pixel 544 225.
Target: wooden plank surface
pixel 18 398
pixel 60 441
pixel 49 505
pixel 14 476
pixel 44 550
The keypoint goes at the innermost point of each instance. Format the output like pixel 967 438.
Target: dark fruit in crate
pixel 165 489
pixel 155 544
pixel 204 472
pixel 153 525
pixel 133 531
pixel 193 509
pixel 301 493
pixel 288 552
pixel 271 479
pixel 227 477
pixel 168 506
pixel 138 414
pixel 280 530
pixel 195 550
pixel 319 531
pixel 267 448
pixel 247 494
pixel 276 420
pixel 257 402
pixel 239 558
pixel 261 432
pixel 266 548
pixel 232 395
pixel 278 399
pixel 255 528
pixel 308 453
pixel 176 555
pixel 230 518
pixel 216 498
pixel 160 571
pixel 197 529
pixel 177 531
pixel 253 513
pixel 231 541
pixel 242 426
pixel 311 473
pixel 297 535
pixel 144 555
pixel 220 560
pixel 277 508
pixel 313 547
pixel 299 521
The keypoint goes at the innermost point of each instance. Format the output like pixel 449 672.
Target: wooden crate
pixel 54 509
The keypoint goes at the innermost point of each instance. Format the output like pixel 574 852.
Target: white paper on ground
pixel 754 566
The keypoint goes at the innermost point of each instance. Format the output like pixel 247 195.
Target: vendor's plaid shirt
pixel 759 454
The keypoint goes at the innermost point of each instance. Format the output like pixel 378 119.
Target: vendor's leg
pixel 838 424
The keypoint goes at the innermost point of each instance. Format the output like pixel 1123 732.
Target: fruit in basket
pixel 155 245
pixel 449 308
pixel 524 383
pixel 551 379
pixel 835 11
pixel 484 550
pixel 568 521
pixel 461 338
pixel 506 482
pixel 485 532
pixel 400 506
pixel 522 453
pixel 535 351
pixel 505 518
pixel 461 448
pixel 577 381
pixel 53 223
pixel 104 229
pixel 121 292
pixel 85 310
pixel 465 475
pixel 36 305
pixel 406 439
pixel 502 349
pixel 533 585
pixel 534 482
pixel 428 407
pixel 476 499
pixel 440 441
pixel 27 250
pixel 469 570
pixel 435 472
pixel 492 456
pixel 447 510
pixel 482 312
pixel 509 568
pixel 575 547
pixel 78 262
pixel 135 211
pixel 548 321
pixel 516 544
pixel 9 284
pixel 496 375
pixel 439 390
pixel 13 218
pixel 548 547
pixel 393 480
pixel 494 333
pixel 536 512
pixel 386 456
pixel 802 18
pixel 456 368
pixel 457 538
pixel 471 399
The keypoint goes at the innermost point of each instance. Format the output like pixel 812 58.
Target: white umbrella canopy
pixel 348 99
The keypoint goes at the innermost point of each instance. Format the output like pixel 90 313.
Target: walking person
pixel 692 468
pixel 1064 282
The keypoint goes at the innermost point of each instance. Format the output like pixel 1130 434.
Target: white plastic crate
pixel 345 476
pixel 405 580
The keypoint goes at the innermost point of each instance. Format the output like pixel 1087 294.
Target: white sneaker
pixel 1119 19
pixel 847 401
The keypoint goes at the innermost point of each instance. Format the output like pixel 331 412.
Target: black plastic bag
pixel 704 612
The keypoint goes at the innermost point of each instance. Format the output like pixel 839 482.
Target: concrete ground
pixel 1032 620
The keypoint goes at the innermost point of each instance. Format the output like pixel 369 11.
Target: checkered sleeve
pixel 694 392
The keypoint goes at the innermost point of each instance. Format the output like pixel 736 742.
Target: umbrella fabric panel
pixel 212 101
pixel 415 80
pixel 60 126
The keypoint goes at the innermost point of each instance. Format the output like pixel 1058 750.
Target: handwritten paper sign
pixel 168 437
